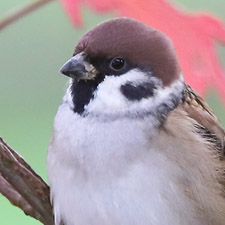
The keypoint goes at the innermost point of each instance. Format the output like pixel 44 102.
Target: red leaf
pixel 194 36
pixel 72 8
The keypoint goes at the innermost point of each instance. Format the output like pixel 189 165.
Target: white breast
pixel 106 173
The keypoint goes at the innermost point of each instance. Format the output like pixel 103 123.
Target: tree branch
pixel 14 197
pixel 22 12
pixel 23 187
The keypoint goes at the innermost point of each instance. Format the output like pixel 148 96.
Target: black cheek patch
pixel 136 93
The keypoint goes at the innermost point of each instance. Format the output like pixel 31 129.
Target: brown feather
pixel 202 179
pixel 208 124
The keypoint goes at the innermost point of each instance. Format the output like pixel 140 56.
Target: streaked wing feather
pixel 208 124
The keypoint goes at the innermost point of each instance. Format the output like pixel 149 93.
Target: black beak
pixel 75 68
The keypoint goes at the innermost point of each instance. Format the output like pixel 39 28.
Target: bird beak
pixel 78 68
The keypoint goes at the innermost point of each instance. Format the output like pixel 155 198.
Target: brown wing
pixel 208 124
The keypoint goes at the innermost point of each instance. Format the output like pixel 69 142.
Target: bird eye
pixel 117 63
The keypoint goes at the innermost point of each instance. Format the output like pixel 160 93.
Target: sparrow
pixel 133 144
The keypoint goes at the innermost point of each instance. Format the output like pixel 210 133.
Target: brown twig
pixel 14 197
pixel 22 12
pixel 23 187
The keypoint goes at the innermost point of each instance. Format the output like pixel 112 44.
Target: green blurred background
pixel 31 52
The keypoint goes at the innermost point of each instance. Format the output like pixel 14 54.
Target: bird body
pixel 130 145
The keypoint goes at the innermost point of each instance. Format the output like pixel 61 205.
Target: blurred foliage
pixel 31 88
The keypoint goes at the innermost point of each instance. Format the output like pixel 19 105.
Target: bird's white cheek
pixel 110 102
pixel 108 97
pixel 115 100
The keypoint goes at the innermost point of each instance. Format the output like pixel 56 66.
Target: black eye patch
pixel 137 92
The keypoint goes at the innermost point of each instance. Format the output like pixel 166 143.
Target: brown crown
pixel 135 41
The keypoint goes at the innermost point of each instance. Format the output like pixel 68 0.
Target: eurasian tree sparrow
pixel 132 143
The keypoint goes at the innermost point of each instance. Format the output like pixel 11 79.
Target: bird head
pixel 123 67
